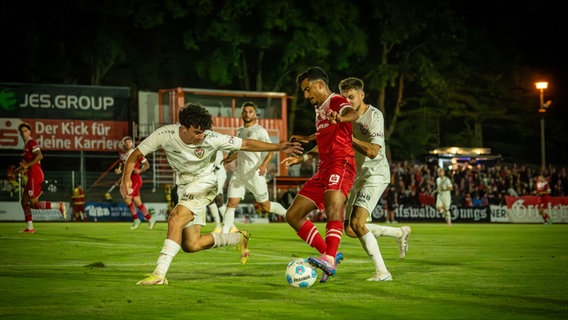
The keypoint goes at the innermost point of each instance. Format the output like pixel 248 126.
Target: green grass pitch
pixel 77 270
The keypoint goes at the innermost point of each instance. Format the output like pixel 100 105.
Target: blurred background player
pixel 250 170
pixel 123 153
pixel 30 165
pixel 78 204
pixel 443 191
pixel 542 190
pixel 134 198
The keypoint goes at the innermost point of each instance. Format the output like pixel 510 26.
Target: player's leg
pixel 259 189
pixel 235 193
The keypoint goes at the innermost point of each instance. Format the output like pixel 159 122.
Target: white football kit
pixel 194 165
pixel 246 175
pixel 373 175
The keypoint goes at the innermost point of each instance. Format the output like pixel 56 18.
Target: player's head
pixel 353 90
pixel 248 111
pixel 25 129
pixel 25 125
pixel 195 115
pixel 312 74
pixel 314 85
pixel 351 83
pixel 127 142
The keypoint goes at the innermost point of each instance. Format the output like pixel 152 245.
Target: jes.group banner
pixel 64 117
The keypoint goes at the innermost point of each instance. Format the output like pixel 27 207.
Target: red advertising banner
pixel 524 209
pixel 65 135
pixel 64 117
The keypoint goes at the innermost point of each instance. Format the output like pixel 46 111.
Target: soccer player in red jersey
pixel 543 192
pixel 330 185
pixel 134 200
pixel 30 164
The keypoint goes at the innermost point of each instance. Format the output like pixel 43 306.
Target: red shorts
pixel 543 200
pixel 334 175
pixel 136 185
pixel 35 180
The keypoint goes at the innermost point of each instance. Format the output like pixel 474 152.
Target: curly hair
pixel 26 125
pixel 195 115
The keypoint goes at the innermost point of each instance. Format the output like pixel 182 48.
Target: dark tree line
pixel 444 73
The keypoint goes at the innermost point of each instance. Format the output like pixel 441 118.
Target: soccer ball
pixel 301 274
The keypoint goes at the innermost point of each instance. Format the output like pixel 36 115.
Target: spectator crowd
pixel 474 185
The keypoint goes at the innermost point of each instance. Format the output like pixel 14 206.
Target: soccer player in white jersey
pixel 190 148
pixel 444 188
pixel 373 177
pixel 250 171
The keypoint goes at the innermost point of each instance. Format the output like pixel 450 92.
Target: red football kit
pixel 336 165
pixel 34 172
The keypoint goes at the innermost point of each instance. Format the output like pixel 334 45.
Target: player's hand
pixel 334 117
pixel 290 161
pixel 291 148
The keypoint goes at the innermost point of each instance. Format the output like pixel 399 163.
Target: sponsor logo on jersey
pixel 334 179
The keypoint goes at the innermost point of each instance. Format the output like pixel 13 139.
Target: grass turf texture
pixel 467 271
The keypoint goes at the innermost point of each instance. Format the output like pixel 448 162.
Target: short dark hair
pixel 249 104
pixel 351 83
pixel 25 124
pixel 313 73
pixel 195 115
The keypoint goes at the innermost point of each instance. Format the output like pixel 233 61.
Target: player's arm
pixel 347 115
pixel 37 158
pixel 302 138
pixel 371 150
pixel 118 169
pixel 145 166
pixel 232 156
pixel 264 165
pixel 290 161
pixel 294 148
pixel 129 164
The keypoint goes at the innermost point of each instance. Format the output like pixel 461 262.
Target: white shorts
pixel 256 184
pixel 364 196
pixel 196 196
pixel 444 200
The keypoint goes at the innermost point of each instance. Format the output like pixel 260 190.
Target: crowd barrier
pixel 517 210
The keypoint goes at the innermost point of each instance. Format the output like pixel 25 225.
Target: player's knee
pixel 264 207
pixel 189 247
pixel 349 232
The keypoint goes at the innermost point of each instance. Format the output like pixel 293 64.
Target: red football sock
pixel 333 232
pixel 309 233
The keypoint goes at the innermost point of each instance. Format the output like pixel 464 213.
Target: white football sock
pixel 229 219
pixel 384 231
pixel 371 246
pixel 215 213
pixel 169 251
pixel 277 208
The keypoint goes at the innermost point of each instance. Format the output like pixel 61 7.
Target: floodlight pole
pixel 542 110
